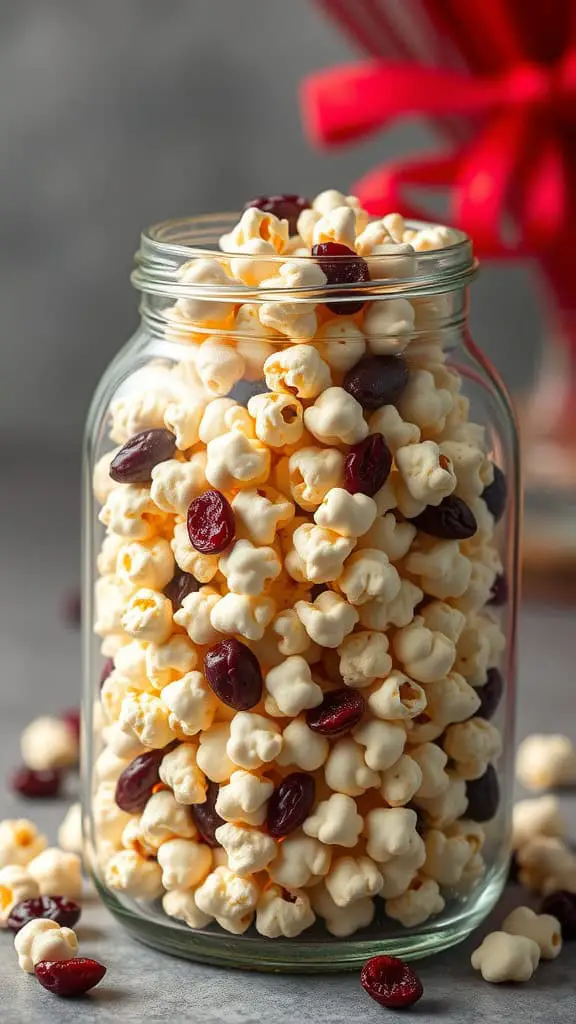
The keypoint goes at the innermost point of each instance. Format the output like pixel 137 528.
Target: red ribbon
pixel 512 183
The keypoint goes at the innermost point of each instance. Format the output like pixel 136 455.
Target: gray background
pixel 114 115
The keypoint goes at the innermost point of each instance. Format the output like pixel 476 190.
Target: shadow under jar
pixel 301 546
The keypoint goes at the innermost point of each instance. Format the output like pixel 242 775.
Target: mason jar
pixel 301 551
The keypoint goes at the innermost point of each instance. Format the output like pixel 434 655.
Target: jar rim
pixel 166 246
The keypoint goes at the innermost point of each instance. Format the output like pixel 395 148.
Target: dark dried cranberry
pixel 135 785
pixel 316 589
pixel 69 977
pixel 206 818
pixel 499 591
pixel 562 905
pixel 483 796
pixel 233 672
pixel 181 584
pixel 288 896
pixel 36 785
pixel 450 520
pixel 211 523
pixel 72 719
pixel 136 459
pixel 490 693
pixel 286 207
pixel 290 804
pixel 391 982
pixel 513 868
pixel 54 908
pixel 495 494
pixel 368 465
pixel 377 381
pixel 341 265
pixel 339 712
pixel 107 669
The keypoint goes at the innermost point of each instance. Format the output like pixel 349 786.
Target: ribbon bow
pixel 513 182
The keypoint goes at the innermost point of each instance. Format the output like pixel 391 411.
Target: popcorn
pixel 134 839
pixel 452 699
pixel 332 199
pixel 250 335
pixel 248 569
pixel 148 616
pixel 191 704
pixel 293 637
pixel 473 651
pixel 384 742
pixel 472 745
pixel 106 560
pixel 254 740
pixel 300 862
pixel 351 879
pixel 421 900
pixel 425 404
pixel 184 863
pixel 41 939
pixel 181 904
pixel 538 817
pixel 346 770
pixel 446 857
pixel 398 698
pixel 183 419
pixel 364 658
pixel 130 512
pixel 426 472
pixel 133 875
pixel 543 929
pixel 302 747
pixel 478 591
pixel 219 365
pixel 377 614
pixel 400 872
pixel 261 513
pixel 280 914
pixel 256 224
pixel 143 407
pixel 229 899
pixel 294 318
pixel 335 821
pixel 146 718
pixel 312 473
pixel 543 858
pixel 473 470
pixel 175 484
pixel 336 225
pixel 102 482
pixel 188 559
pixel 248 850
pixel 450 804
pixel 297 370
pixel 349 515
pixel 70 830
pixel 401 781
pixel 340 343
pixel 389 536
pixel 130 664
pixel 109 819
pixel 432 761
pixel 321 551
pixel 167 662
pixel 180 771
pixel 545 761
pixel 199 273
pixel 194 615
pixel 236 461
pixel 426 655
pixel 390 259
pixel 120 745
pixel 502 957
pixel 48 743
pixel 146 563
pixel 292 688
pixel 211 755
pixel 164 818
pixel 111 599
pixel 277 418
pixel 388 324
pixel 113 692
pixel 391 832
pixel 16 884
pixel 222 416
pixel 443 618
pixel 252 267
pixel 243 615
pixel 328 619
pixel 340 921
pixel 57 872
pixel 244 798
pixel 336 418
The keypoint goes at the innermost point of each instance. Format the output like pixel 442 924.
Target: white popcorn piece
pixel 349 515
pixel 48 743
pixel 472 745
pixel 340 343
pixel 146 563
pixel 546 760
pixel 384 742
pixel 42 939
pixel 293 637
pixel 502 957
pixel 543 858
pixel 109 819
pixel 244 798
pixel 398 433
pixel 443 618
pixel 130 664
pixel 57 871
pixel 130 873
pixel 16 884
pixel 300 862
pixel 336 225
pixel 312 473
pixel 351 879
pixel 277 418
pixel 106 560
pixel 480 583
pixel 164 818
pixel 249 333
pixel 425 404
pixel 364 658
pixel 335 822
pixel 446 857
pixel 248 569
pixel 391 832
pixel 390 259
pixel 432 761
pixel 235 461
pixel 252 265
pixel 130 512
pixel 102 482
pixel 328 619
pixel 473 651
pixel 450 804
pixel 390 536
pixel 472 468
pixel 292 688
pixel 388 324
pixel 194 615
pixel 228 898
pixel 254 740
pixel 243 615
pixel 183 419
pixel 211 755
pixel 256 224
pixel 179 769
pixel 321 551
pixel 434 236
pixel 181 905
pixel 199 273
pixel 336 418
pixel 378 614
pixel 346 770
pixel 425 654
pixel 277 915
pixel 120 745
pixel 332 199
pixel 248 850
pixel 538 817
pixel 544 929
pixel 142 406
pixel 302 747
pixel 70 830
pixel 219 365
pixel 261 513
pixel 113 692
pixel 175 484
pixel 399 873
pixel 297 370
pixel 401 781
pixel 167 662
pixel 133 838
pixel 202 567
pixel 223 416
pixel 148 616
pixel 421 900
pixel 184 862
pixel 111 596
pixel 398 698
pixel 146 718
pixel 294 318
pixel 341 921
pixel 191 704
pixel 426 472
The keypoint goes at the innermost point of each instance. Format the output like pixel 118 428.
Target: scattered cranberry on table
pixel 181 584
pixel 211 524
pixel 390 982
pixel 290 804
pixel 69 977
pixel 54 908
pixel 339 712
pixel 233 672
pixel 286 207
pixel 562 905
pixel 367 466
pixel 206 817
pixel 134 463
pixel 341 265
pixel 377 381
pixel 36 785
pixel 452 519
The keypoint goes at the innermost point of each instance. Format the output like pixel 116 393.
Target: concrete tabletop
pixel 40 671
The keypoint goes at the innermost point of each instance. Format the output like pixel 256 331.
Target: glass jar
pixel 320 531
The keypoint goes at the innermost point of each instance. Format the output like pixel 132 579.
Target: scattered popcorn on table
pixel 502 957
pixel 42 939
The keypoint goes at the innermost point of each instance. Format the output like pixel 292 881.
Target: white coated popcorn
pixel 364 658
pixel 128 872
pixel 261 513
pixel 183 419
pixel 336 418
pixel 277 418
pixel 432 761
pixel 191 704
pixel 130 663
pixel 175 484
pixel 48 743
pixel 401 781
pixel 113 692
pixel 42 939
pixel 390 536
pixel 390 259
pixel 203 272
pixel 388 325
pixel 321 551
pixel 328 619
pixel 538 817
pixel 336 225
pixel 300 862
pixel 248 850
pixel 303 747
pixel 221 416
pixel 297 370
pixel 111 596
pixel 164 818
pixel 313 472
pixel 340 343
pixel 254 740
pixel 70 830
pixel 426 654
pixel 349 515
pixel 450 804
pixel 472 745
pixel 543 858
pixel 181 904
pixel 446 857
pixel 211 755
pixel 256 224
pixel 102 482
pixel 120 745
pixel 184 862
pixel 109 819
pixel 473 470
pixel 244 798
pixel 425 404
pixel 239 613
pixel 146 563
pixel 420 901
pixel 379 614
pixel 397 432
pixel 202 567
pixel 277 915
pixel 346 770
pixel 16 884
pixel 473 651
pixel 544 929
pixel 335 821
pixel 228 898
pixel 502 957
pixel 133 838
pixel 351 879
pixel 426 472
pixel 443 618
pixel 341 921
pixel 293 637
pixel 167 662
pixel 219 365
pixel 148 616
pixel 57 872
pixel 288 316
pixel 248 569
pixel 291 686
pixel 236 461
pixel 130 512
pixel 397 698
pixel 180 771
pixel 145 717
pixel 400 872
pixel 106 560
pixel 391 832
pixel 194 615
pixel 384 742
pixel 332 199
pixel 545 760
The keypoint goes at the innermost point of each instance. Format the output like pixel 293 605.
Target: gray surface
pixel 40 673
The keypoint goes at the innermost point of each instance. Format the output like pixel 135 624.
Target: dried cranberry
pixel 490 693
pixel 286 207
pixel 55 908
pixel 135 785
pixel 181 584
pixel 69 977
pixel 211 524
pixel 499 591
pixel 562 905
pixel 368 465
pixel 483 796
pixel 107 669
pixel 316 589
pixel 233 672
pixel 496 494
pixel 341 265
pixel 391 982
pixel 72 719
pixel 37 785
pixel 290 804
pixel 377 381
pixel 513 869
pixel 339 712
pixel 206 817
pixel 136 459
pixel 450 520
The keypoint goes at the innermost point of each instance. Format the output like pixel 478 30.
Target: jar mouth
pixel 166 246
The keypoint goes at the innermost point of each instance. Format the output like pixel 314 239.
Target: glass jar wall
pixel 301 530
